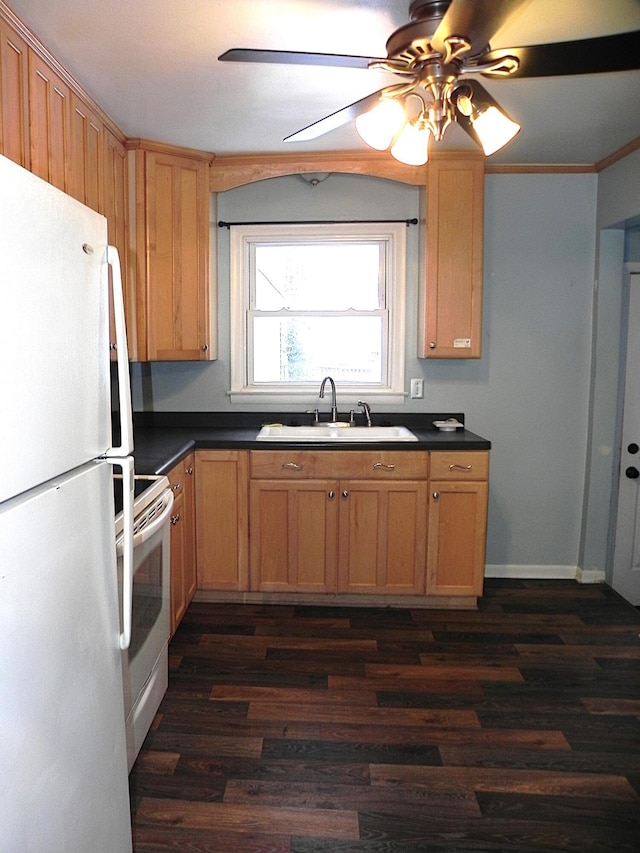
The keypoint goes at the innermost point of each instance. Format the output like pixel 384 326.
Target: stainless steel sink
pixel 334 434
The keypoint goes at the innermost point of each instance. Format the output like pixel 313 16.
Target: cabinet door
pixel 222 532
pixel 383 537
pixel 177 285
pixel 451 308
pixel 14 96
pixel 293 535
pixel 114 207
pixel 183 568
pixel 86 165
pixel 457 536
pixel 190 577
pixel 178 598
pixel 50 123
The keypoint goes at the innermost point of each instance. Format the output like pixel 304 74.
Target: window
pixel 309 301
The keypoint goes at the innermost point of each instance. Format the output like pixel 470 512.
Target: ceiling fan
pixel 436 54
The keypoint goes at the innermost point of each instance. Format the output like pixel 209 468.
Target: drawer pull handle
pixel 460 467
pixel 382 465
pixel 293 466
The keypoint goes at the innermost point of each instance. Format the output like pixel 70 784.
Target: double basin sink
pixel 334 433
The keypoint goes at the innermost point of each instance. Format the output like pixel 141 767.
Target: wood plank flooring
pixel 289 729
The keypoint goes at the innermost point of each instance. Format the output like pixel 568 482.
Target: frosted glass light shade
pixel 494 129
pixel 378 126
pixel 412 146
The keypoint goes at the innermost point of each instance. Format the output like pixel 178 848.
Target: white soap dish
pixel 450 425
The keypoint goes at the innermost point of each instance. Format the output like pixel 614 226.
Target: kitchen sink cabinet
pixel 183 562
pixel 450 310
pixel 361 531
pixel 171 239
pixel 383 537
pixel 293 535
pixel 457 523
pixel 222 532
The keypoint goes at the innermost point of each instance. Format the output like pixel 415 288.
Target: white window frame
pixel 241 238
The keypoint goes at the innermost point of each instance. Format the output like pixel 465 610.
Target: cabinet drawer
pixel 460 465
pixel 364 465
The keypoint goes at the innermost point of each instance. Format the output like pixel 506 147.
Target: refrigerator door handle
pixel 122 354
pixel 126 464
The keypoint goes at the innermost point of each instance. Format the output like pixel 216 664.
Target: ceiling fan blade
pixel 296 57
pixel 477 20
pixel 335 120
pixel 619 52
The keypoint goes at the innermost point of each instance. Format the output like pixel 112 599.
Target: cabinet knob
pixel 176 487
pixel 205 347
pixel 175 518
pixel 436 496
pixel 432 345
pixel 332 495
pixel 345 494
pixel 189 470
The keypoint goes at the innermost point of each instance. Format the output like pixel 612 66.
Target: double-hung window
pixel 309 301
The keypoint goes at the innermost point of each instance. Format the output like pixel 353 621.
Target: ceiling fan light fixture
pixel 493 128
pixel 412 145
pixel 378 126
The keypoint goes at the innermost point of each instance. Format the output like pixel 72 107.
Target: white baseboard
pixel 545 573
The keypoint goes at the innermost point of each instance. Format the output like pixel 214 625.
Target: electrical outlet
pixel 417 389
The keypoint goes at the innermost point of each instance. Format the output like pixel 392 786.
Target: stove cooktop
pixel 146 488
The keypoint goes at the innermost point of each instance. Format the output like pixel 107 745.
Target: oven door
pixel 144 663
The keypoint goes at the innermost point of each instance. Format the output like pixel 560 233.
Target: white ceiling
pixel 152 66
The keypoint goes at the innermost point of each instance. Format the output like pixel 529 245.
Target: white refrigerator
pixel 63 765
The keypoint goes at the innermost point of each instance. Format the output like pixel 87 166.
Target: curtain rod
pixel 407 222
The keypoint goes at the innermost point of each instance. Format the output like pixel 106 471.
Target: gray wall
pixel 533 393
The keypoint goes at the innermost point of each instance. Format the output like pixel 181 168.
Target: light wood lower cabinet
pixel 383 537
pixel 222 520
pixel 183 562
pixel 362 533
pixel 457 523
pixel 293 535
pixel 380 523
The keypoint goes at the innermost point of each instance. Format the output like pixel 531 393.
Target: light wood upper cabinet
pixel 450 313
pixel 50 123
pixel 86 163
pixel 14 96
pixel 171 237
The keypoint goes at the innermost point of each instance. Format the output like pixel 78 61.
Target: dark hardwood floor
pixel 314 729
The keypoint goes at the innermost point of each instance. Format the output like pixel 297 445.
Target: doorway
pixel 626 554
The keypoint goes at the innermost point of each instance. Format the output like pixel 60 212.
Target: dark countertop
pixel 162 439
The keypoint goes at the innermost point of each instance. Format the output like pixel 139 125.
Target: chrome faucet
pixel 366 408
pixel 334 407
